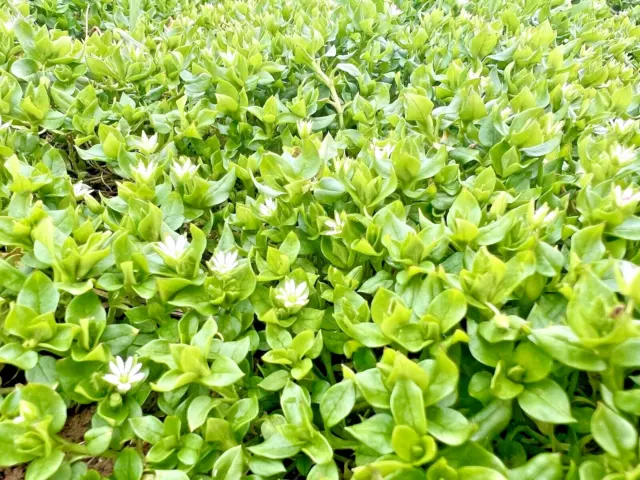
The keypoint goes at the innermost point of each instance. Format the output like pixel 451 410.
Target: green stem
pixel 75 448
pixel 528 431
pixel 83 450
pixel 325 356
pixel 335 98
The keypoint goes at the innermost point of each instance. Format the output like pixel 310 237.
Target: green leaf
pixel 219 190
pixel 337 402
pixel 628 230
pixel 10 277
pixel 544 466
pixel 275 381
pixel 98 439
pixel 372 387
pixel 324 471
pixel 170 475
pixel 411 447
pixel 479 473
pixel 626 354
pixel 39 293
pixel 17 355
pixel 418 108
pixel 449 308
pixel 224 372
pixel 546 401
pixel 44 467
pixel 318 449
pixel 614 434
pixel 147 428
pixel 128 465
pixel 448 425
pixel 374 432
pixel 230 465
pixel 276 447
pixel 564 346
pixel 242 412
pixel 85 306
pixel 295 404
pixel 472 107
pixel 199 410
pixel 443 377
pixel 47 403
pixel 265 467
pixel 407 406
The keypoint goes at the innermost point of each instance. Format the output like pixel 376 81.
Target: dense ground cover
pixel 319 239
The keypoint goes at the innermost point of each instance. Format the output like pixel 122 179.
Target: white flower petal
pixel 136 368
pixel 124 387
pixel 127 365
pixel 120 364
pixel 300 289
pixel 113 367
pixel 112 379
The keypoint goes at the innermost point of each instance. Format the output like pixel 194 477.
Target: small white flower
pixel 343 164
pixel 228 56
pixel 628 272
pixel 293 295
pixel 335 226
pixel 625 197
pixel 619 125
pixel 224 262
pixel 600 130
pixel 438 146
pixel 473 75
pixel 393 10
pixel 622 154
pixel 543 216
pixel 184 171
pixel 568 90
pixel 124 374
pixel 173 247
pixel 145 172
pixel 269 207
pixel 553 129
pixel 148 144
pixel 305 128
pixel 382 153
pixel 9 24
pixel 80 190
pixel 587 51
pixel 18 419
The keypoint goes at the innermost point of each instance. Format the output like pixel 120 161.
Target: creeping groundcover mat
pixel 319 239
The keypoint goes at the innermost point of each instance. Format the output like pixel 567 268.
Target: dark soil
pixel 78 422
pixel 12 473
pixel 104 466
